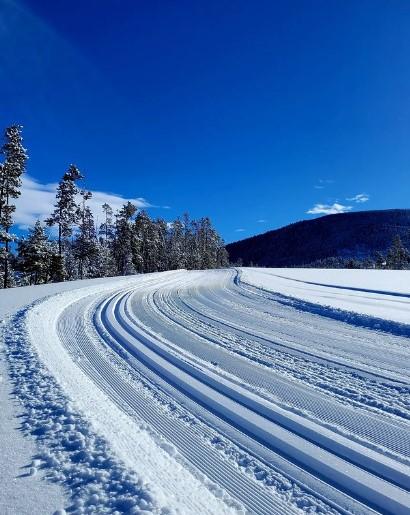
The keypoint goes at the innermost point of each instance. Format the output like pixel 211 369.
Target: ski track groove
pixel 380 432
pixel 257 499
pixel 211 337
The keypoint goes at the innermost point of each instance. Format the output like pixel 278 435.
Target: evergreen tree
pixel 56 271
pixel 379 260
pixel 176 245
pixel 398 257
pixel 85 246
pixel 162 244
pixel 106 236
pixel 34 255
pixel 124 241
pixel 107 228
pixel 147 244
pixel 11 170
pixel 212 253
pixel 190 258
pixel 66 214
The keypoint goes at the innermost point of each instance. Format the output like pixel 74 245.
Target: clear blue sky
pixel 249 112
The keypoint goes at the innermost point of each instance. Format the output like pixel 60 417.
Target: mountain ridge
pixel 358 235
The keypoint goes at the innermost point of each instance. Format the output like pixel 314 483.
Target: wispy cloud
pixel 37 202
pixel 328 209
pixel 323 183
pixel 359 198
pixel 261 221
pixel 240 230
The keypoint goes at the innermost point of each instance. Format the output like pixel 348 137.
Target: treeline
pixel 126 242
pixel 397 257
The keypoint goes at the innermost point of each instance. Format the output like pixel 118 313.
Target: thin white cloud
pixel 240 230
pixel 328 209
pixel 261 221
pixel 37 202
pixel 359 198
pixel 322 183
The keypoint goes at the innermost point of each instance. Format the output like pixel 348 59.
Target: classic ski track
pixel 211 321
pixel 370 428
pixel 136 340
pixel 217 311
pixel 256 498
pixel 389 397
pixel 375 483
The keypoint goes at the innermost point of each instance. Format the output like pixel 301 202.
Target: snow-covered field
pixel 266 391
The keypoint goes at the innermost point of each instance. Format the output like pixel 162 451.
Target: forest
pixel 69 245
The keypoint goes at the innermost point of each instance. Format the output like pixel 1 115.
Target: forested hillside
pixel 333 240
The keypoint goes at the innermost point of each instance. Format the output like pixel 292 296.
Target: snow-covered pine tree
pixel 398 257
pixel 223 256
pixel 190 246
pixel 106 234
pixel 65 214
pixel 163 244
pixel 146 244
pixel 56 272
pixel 124 240
pixel 35 254
pixel 107 228
pixel 176 245
pixel 85 245
pixel 14 165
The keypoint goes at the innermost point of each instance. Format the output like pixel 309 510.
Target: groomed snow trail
pixel 224 397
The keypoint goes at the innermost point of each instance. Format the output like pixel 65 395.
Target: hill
pixel 348 235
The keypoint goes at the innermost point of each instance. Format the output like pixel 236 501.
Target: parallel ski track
pixel 370 427
pixel 344 351
pixel 239 391
pixel 256 498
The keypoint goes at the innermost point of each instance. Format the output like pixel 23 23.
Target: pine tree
pixel 176 245
pixel 398 257
pixel 85 246
pixel 56 272
pixel 379 260
pixel 106 237
pixel 65 214
pixel 107 228
pixel 11 170
pixel 34 255
pixel 124 240
pixel 163 244
pixel 147 244
pixel 190 258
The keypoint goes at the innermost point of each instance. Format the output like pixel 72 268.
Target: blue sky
pixel 257 114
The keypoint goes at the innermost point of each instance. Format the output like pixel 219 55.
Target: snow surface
pixel 18 454
pixel 378 293
pixel 269 391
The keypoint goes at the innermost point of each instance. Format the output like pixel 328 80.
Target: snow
pixel 136 448
pixel 381 294
pixel 16 472
pixel 20 471
pixel 209 392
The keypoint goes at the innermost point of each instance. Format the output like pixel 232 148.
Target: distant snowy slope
pixel 376 293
